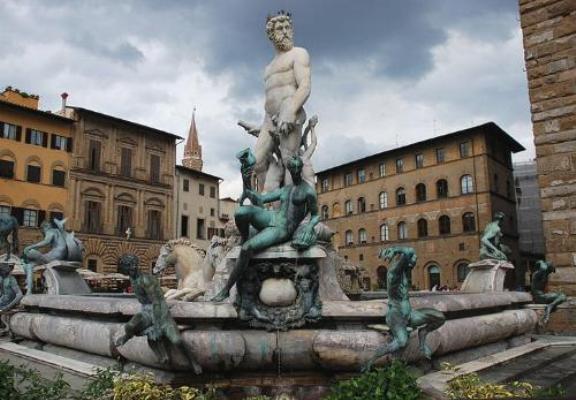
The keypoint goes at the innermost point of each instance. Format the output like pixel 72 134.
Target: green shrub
pixel 20 383
pixel 392 382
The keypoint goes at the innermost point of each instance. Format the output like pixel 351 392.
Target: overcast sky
pixel 384 73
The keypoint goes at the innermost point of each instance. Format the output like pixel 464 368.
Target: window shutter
pixel 28 135
pixel 69 145
pixel 45 139
pixel 1 129
pixel 52 141
pixel 41 216
pixel 18 133
pixel 19 214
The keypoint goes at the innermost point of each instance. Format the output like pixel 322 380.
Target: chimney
pixel 64 98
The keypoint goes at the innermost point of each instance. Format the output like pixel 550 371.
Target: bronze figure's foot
pixel 221 296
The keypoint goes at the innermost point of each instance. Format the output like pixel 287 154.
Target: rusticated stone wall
pixel 549 28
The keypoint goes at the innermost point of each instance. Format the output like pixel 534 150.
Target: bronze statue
pixel 8 226
pixel 491 246
pixel 400 316
pixel 10 293
pixel 297 200
pixel 63 247
pixel 539 281
pixel 154 319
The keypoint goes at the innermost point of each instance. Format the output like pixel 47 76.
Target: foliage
pixel 20 383
pixel 392 382
pixel 101 387
pixel 137 387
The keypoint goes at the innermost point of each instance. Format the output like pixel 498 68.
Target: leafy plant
pixel 101 387
pixel 137 387
pixel 392 382
pixel 21 383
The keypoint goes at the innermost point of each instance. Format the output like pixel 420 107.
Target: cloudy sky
pixel 384 73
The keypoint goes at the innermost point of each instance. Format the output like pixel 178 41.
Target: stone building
pixel 549 28
pixel 121 188
pixel 35 148
pixel 196 195
pixel 227 209
pixel 530 232
pixel 436 196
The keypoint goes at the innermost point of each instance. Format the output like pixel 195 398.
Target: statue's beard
pixel 283 44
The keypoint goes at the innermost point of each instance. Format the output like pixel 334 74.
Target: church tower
pixel 193 151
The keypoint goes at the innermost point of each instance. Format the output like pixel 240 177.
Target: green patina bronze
pixel 8 226
pixel 400 317
pixel 539 281
pixel 154 320
pixel 297 200
pixel 491 246
pixel 10 293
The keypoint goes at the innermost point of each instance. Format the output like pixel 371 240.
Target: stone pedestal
pixel 486 276
pixel 62 277
pixel 280 288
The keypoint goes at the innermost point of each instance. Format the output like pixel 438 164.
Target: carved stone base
pixel 280 289
pixel 486 276
pixel 62 277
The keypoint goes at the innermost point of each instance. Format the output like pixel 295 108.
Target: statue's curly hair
pixel 128 260
pixel 272 20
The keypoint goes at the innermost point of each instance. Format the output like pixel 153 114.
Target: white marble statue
pixel 287 85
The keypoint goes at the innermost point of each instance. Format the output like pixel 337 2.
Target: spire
pixel 193 151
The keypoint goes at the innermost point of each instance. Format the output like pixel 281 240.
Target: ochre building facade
pixel 436 196
pixel 549 28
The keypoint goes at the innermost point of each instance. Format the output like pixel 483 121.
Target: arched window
pixel 7 163
pixel 383 200
pixel 58 176
pixel 444 225
pixel 361 205
pixel 420 192
pixel 384 235
pixel 33 172
pixel 348 207
pixel 400 196
pixel 462 270
pixel 466 184
pixel 402 231
pixel 324 212
pixel 442 188
pixel 468 222
pixel 362 236
pixel 422 228
pixel 336 211
pixel 433 276
pixel 349 237
pixel 382 274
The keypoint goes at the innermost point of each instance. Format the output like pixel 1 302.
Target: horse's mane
pixel 184 242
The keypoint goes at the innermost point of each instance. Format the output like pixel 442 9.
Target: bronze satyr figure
pixel 539 281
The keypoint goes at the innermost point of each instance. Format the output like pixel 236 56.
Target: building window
pixel 324 185
pixel 440 155
pixel 7 169
pixel 349 238
pixel 466 184
pixel 92 217
pixel 402 231
pixel 444 225
pixel 126 162
pixel 462 271
pixel 508 189
pixel 468 222
pixel 382 169
pixel 324 212
pixel 94 151
pixel 186 185
pixel 155 168
pixel 361 257
pixel 30 218
pixel 384 235
pixel 4 210
pixel 213 192
pixel 201 189
pixel 154 225
pixel 10 131
pixel 212 212
pixel 33 173
pixel 442 188
pixel 399 165
pixel 348 207
pixel 58 177
pixel 200 229
pixel 348 179
pixel 496 183
pixel 361 175
pixel 382 274
pixel 400 196
pixel 124 220
pixel 420 192
pixel 383 200
pixel 56 215
pixel 419 160
pixel 465 149
pixel 362 237
pixel 422 228
pixel 60 143
pixel 433 276
pixel 92 265
pixel 361 205
pixel 183 226
pixel 35 137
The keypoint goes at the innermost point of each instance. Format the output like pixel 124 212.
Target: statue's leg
pixel 398 328
pixel 243 217
pixel 426 320
pixel 29 270
pixel 262 151
pixel 160 349
pixel 132 328
pixel 175 339
pixel 553 300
